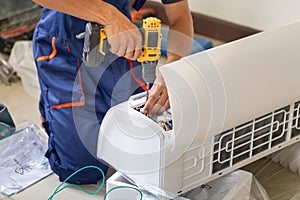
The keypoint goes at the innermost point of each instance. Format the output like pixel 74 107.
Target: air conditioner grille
pixel 251 138
pixel 296 120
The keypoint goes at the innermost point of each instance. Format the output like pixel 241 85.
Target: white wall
pixel 258 14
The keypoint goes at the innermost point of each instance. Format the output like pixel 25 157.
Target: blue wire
pixel 59 189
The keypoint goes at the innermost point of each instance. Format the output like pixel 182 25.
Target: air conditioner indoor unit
pixel 230 106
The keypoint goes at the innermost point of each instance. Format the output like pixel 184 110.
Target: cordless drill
pixel 152 37
pixel 151 34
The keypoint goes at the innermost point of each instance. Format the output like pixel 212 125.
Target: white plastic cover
pixel 231 105
pixel 226 86
pixel 231 88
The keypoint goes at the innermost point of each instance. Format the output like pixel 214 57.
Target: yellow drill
pixel 151 33
pixel 152 37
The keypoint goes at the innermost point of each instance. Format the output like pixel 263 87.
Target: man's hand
pixel 124 37
pixel 158 101
pixel 180 40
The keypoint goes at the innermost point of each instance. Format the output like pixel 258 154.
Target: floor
pixel 280 183
pixel 22 106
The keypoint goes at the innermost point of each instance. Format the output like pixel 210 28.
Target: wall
pixel 258 14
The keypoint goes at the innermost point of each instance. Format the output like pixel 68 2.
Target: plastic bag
pixel 279 182
pixel 289 157
pixel 234 186
pixel 21 59
pixel 22 160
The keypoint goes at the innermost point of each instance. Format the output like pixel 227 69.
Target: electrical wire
pixel 59 189
pixel 166 125
pixel 122 187
pixel 141 84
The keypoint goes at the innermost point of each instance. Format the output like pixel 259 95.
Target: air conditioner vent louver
pixel 252 138
pixel 296 120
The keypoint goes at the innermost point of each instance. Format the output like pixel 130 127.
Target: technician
pixel 74 98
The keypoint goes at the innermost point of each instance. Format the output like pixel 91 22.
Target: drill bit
pixel 149 74
pixel 148 86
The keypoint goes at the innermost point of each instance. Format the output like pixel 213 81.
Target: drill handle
pixel 94 40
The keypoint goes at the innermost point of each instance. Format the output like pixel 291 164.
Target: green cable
pixel 59 189
pixel 122 187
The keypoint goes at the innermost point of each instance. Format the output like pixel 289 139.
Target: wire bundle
pixel 166 125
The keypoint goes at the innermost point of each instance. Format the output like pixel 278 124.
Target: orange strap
pixel 52 55
pixel 134 77
pixel 74 104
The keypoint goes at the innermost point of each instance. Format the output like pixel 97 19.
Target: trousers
pixel 74 98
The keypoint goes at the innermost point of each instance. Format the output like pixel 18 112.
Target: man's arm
pixel 180 40
pixel 123 36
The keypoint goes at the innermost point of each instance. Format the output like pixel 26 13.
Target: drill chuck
pixel 149 71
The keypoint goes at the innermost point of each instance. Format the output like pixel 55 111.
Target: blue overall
pixel 74 98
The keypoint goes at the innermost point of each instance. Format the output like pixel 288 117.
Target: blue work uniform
pixel 74 98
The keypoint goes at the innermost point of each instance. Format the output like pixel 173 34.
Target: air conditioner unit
pixel 230 106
